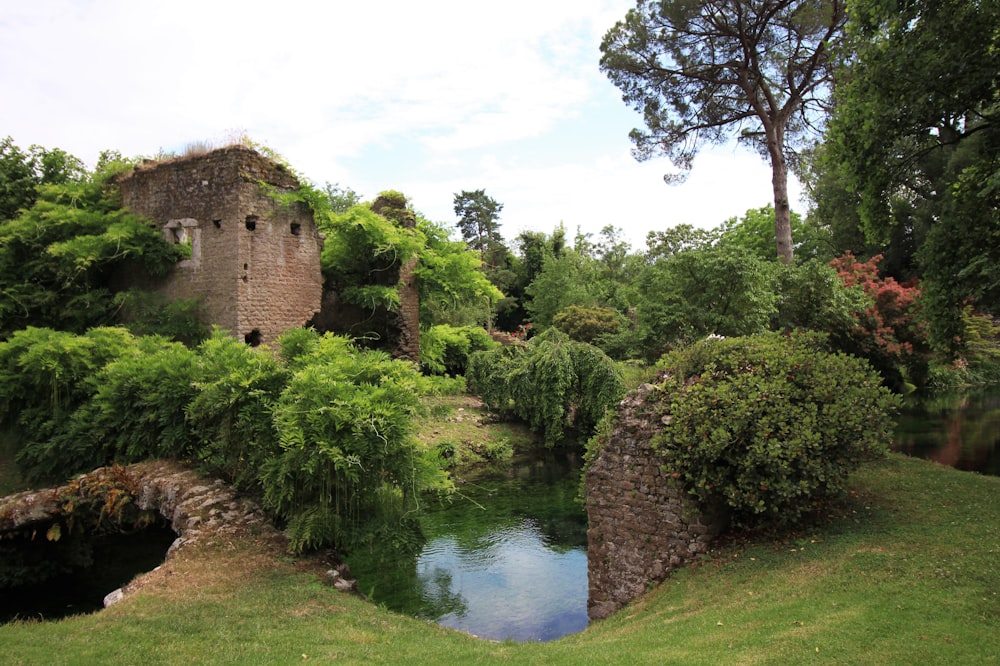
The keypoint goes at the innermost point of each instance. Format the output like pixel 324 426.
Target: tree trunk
pixel 779 182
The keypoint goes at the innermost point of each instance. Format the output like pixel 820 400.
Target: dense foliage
pixel 551 382
pixel 767 425
pixel 446 349
pixel 367 246
pixel 889 332
pixel 58 257
pixel 915 139
pixel 322 432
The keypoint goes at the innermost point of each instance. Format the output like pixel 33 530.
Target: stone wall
pixel 408 345
pixel 255 264
pixel 642 523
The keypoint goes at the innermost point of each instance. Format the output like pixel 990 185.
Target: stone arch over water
pixel 124 498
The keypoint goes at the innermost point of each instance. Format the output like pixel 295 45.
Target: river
pixel 958 430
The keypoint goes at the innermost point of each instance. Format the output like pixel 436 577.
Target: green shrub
pixel 445 349
pixel 45 376
pixel 322 431
pixel 150 313
pixel 766 425
pixel 137 411
pixel 587 324
pixel 551 382
pixel 348 463
pixel 231 411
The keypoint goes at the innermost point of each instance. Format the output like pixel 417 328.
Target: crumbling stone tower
pixel 255 263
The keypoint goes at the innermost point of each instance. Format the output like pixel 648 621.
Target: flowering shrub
pixel 766 425
pixel 523 331
pixel 889 332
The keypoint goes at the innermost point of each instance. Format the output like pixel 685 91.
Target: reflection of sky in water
pixel 512 585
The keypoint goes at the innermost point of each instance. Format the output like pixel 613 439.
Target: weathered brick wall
pixel 642 523
pixel 255 264
pixel 409 313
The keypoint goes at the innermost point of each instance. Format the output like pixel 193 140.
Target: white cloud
pixel 428 98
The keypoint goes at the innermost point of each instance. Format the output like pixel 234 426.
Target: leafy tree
pixel 341 198
pixel 534 248
pixel 22 173
pixel 889 332
pixel 813 297
pixel 551 382
pixel 677 239
pixel 717 290
pixel 454 289
pixel 565 280
pixel 701 71
pixel 916 137
pixel 755 232
pixel 58 258
pixel 616 268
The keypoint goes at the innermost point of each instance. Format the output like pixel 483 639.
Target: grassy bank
pixel 906 570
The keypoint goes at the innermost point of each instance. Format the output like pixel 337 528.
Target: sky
pixel 428 98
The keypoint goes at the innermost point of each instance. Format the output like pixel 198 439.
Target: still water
pixel 505 559
pixel 961 431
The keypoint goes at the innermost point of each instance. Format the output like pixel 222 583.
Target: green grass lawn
pixel 905 571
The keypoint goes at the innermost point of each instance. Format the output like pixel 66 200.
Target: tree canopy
pixel 916 138
pixel 707 71
pixel 58 255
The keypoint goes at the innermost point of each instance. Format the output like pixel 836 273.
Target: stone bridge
pixel 38 527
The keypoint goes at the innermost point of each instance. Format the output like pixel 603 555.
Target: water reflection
pixel 961 431
pixel 505 559
pixel 511 586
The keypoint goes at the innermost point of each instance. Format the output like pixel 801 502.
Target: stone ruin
pixel 398 331
pixel 254 263
pixel 643 524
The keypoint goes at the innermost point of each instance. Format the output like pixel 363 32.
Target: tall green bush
pixel 137 410
pixel 45 376
pixel 231 410
pixel 445 349
pixel 322 431
pixel 348 460
pixel 766 425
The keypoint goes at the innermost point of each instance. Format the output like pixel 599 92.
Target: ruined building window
pixel 251 222
pixel 184 232
pixel 253 338
pixel 296 228
pixel 217 223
